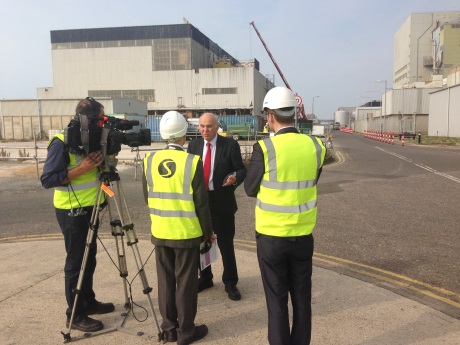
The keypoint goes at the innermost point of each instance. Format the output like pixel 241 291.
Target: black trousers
pixel 75 229
pixel 177 289
pixel 286 268
pixel 224 227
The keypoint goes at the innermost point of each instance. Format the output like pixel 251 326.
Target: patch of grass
pixel 442 141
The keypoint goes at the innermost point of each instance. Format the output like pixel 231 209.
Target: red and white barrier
pixel 383 137
pixel 347 130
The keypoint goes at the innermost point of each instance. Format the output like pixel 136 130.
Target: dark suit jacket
pixel 227 160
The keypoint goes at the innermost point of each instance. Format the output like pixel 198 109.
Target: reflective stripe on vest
pixel 81 191
pixel 286 202
pixel 169 175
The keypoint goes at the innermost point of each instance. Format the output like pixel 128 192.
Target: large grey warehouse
pixel 170 67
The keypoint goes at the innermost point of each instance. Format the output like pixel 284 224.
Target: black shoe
pixel 199 333
pixel 100 308
pixel 204 284
pixel 233 292
pixel 168 336
pixel 87 325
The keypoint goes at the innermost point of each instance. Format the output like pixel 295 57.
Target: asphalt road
pixel 388 214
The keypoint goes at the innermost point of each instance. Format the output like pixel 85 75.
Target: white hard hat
pixel 282 100
pixel 173 125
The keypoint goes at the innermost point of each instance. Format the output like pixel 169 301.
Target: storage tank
pixel 342 117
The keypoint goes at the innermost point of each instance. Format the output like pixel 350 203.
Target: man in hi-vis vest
pixel 283 173
pixel 175 191
pixel 74 176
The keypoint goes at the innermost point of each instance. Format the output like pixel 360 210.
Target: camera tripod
pixel 119 229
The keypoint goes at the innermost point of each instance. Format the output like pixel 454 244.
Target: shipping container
pixel 257 123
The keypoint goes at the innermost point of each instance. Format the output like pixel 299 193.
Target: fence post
pixel 36 156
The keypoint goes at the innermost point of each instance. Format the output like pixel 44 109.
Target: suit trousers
pixel 75 230
pixel 286 268
pixel 177 289
pixel 223 226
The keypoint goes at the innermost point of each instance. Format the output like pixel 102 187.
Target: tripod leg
pixel 131 240
pixel 118 234
pixel 89 240
pixel 137 163
pixel 146 288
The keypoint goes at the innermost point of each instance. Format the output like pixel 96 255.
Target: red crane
pixel 300 109
pixel 271 56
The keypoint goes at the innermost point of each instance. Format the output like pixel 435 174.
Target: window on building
pixel 219 91
pixel 141 95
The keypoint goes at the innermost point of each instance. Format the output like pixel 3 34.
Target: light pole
pixel 385 102
pixel 313 105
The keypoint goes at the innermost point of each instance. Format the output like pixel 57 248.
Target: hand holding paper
pixel 210 256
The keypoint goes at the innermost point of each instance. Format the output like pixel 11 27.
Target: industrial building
pixel 25 118
pixel 425 66
pixel 177 67
pixel 170 67
pixel 425 48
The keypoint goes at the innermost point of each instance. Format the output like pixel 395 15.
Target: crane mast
pixel 271 56
pixel 300 109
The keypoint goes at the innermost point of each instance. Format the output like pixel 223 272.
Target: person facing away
pixel 74 177
pixel 175 191
pixel 224 171
pixel 283 173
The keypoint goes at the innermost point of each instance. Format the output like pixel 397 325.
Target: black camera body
pixel 89 137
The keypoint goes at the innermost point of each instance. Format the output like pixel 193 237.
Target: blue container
pixel 153 123
pixel 256 121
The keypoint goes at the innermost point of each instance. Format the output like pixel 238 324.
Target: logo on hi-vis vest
pixel 167 168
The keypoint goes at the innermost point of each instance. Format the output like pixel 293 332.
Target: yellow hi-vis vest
pixel 81 191
pixel 286 202
pixel 169 175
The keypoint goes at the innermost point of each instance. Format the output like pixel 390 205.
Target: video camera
pixel 85 135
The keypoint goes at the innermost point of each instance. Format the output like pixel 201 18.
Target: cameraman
pixel 74 175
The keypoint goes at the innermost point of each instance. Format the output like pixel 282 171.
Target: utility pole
pixel 313 105
pixel 385 102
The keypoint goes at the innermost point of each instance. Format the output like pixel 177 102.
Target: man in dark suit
pixel 227 172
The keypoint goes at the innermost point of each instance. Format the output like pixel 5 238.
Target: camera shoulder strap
pixel 104 138
pixel 84 130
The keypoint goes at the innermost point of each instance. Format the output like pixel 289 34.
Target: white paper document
pixel 209 257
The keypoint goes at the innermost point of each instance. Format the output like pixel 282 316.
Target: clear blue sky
pixel 333 49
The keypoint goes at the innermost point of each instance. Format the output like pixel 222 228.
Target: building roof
pixel 138 33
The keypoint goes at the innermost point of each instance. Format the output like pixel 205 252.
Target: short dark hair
pixel 285 120
pixel 89 107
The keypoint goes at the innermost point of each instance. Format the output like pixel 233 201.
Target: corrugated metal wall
pixel 21 118
pixel 153 122
pixel 445 112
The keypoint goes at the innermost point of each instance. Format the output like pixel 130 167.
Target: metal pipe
pixel 418 41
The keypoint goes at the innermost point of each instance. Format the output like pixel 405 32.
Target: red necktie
pixel 207 165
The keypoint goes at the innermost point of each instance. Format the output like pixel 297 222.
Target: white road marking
pixel 425 167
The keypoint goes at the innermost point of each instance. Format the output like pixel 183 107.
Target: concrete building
pixel 25 118
pixel 425 46
pixel 425 50
pixel 171 67
pixel 164 67
pixel 444 108
pixel 366 117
